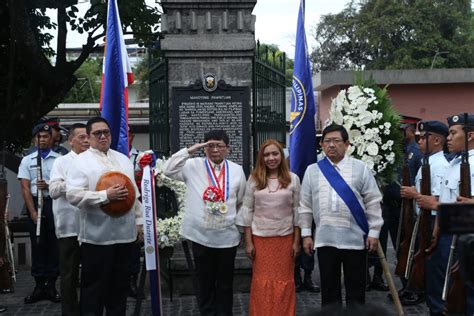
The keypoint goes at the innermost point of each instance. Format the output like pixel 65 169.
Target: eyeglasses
pixel 335 141
pixel 218 146
pixel 99 133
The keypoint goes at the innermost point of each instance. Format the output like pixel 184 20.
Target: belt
pixel 45 198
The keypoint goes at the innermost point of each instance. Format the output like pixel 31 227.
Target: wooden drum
pixel 116 208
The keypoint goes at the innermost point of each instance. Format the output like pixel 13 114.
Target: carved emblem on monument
pixel 209 82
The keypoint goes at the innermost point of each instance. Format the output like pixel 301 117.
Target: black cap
pixel 434 127
pixel 460 120
pixel 41 128
pixel 51 121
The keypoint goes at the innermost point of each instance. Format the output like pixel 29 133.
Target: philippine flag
pixel 116 77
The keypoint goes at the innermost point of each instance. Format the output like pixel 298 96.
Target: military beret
pixel 41 128
pixel 460 120
pixel 434 127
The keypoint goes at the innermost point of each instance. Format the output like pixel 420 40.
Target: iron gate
pixel 269 97
pixel 159 108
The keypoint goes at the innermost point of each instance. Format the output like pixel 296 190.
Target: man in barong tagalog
pixel 66 220
pixel 106 241
pixel 215 191
pixel 341 195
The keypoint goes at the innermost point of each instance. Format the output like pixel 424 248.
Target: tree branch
pixel 62 34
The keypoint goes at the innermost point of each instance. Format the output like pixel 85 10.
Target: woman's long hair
pixel 259 173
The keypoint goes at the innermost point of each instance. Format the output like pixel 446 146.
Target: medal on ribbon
pixel 217 193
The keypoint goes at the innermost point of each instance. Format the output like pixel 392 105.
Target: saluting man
pixel 45 254
pixel 212 230
pixel 449 193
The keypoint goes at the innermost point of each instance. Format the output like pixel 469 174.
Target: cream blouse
pixel 270 212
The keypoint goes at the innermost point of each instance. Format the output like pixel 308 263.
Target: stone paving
pixel 307 303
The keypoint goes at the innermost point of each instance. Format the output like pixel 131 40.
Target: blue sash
pixel 345 192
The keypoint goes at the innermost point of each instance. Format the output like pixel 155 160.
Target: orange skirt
pixel 272 291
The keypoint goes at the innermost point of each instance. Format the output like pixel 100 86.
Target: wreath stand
pixel 167 277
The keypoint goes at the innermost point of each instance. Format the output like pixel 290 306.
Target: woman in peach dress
pixel 269 217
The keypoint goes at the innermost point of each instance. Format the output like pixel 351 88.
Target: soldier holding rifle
pixel 432 140
pixel 461 136
pixel 33 174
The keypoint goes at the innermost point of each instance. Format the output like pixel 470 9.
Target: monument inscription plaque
pixel 197 111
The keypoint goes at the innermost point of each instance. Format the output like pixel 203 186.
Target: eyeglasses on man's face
pixel 99 133
pixel 335 141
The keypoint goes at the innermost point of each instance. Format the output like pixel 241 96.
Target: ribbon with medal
pixel 217 193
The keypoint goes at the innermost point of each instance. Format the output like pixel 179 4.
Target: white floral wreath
pixel 373 128
pixel 168 229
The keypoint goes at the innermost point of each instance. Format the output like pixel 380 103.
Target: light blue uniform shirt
pixel 28 170
pixel 452 178
pixel 438 166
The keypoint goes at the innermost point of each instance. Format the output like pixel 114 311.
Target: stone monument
pixel 209 48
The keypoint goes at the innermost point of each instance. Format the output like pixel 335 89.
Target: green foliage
pixel 142 75
pixel 273 56
pixel 39 72
pixel 87 87
pixel 381 34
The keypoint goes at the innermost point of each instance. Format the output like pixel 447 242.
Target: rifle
pixel 407 211
pixel 39 177
pixel 10 257
pixel 417 274
pixel 5 245
pixel 456 296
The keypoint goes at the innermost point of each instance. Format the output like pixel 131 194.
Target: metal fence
pixel 159 108
pixel 269 96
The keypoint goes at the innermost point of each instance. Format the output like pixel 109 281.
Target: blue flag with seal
pixel 303 106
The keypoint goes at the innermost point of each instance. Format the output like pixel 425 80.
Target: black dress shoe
pixel 3 309
pixel 53 295
pixel 378 284
pixel 402 293
pixel 37 295
pixel 309 285
pixel 413 299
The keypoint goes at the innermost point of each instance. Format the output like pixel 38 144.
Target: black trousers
pixel 69 258
pixel 105 277
pixel 354 263
pixel 215 273
pixel 45 253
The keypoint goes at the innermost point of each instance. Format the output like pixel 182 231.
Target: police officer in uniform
pixel 436 133
pixel 449 193
pixel 45 253
pixel 56 137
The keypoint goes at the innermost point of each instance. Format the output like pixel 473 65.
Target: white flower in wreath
pixel 369 91
pixel 354 134
pixel 373 149
pixel 354 92
pixel 361 149
pixel 337 117
pixel 168 229
pixel 365 117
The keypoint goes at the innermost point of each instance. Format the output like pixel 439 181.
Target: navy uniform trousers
pixel 45 254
